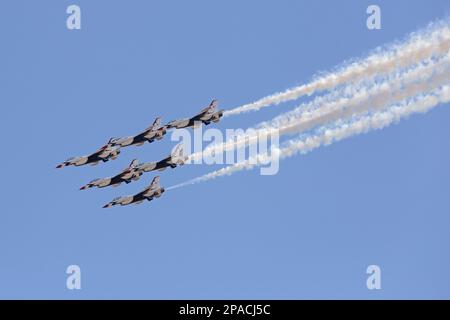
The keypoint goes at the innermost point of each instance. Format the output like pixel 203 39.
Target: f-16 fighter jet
pixel 154 190
pixel 205 116
pixel 127 175
pixel 155 131
pixel 177 158
pixel 105 153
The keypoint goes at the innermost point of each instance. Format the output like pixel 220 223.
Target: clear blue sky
pixel 308 232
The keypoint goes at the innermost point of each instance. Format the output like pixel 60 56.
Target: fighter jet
pixel 154 190
pixel 105 153
pixel 206 116
pixel 155 131
pixel 176 158
pixel 127 175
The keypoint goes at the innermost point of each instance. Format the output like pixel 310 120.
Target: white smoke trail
pixel 385 96
pixel 396 85
pixel 328 135
pixel 424 44
pixel 347 102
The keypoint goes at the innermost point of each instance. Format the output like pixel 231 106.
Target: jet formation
pixel 134 171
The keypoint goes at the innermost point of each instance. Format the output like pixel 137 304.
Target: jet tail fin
pixel 177 152
pixel 107 145
pixel 155 183
pixel 133 163
pixel 156 124
pixel 213 104
pixel 211 107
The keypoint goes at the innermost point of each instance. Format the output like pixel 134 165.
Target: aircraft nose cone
pixel 83 187
pixel 106 206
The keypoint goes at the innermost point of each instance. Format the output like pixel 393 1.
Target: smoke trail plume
pixel 424 44
pixel 343 129
pixel 349 101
